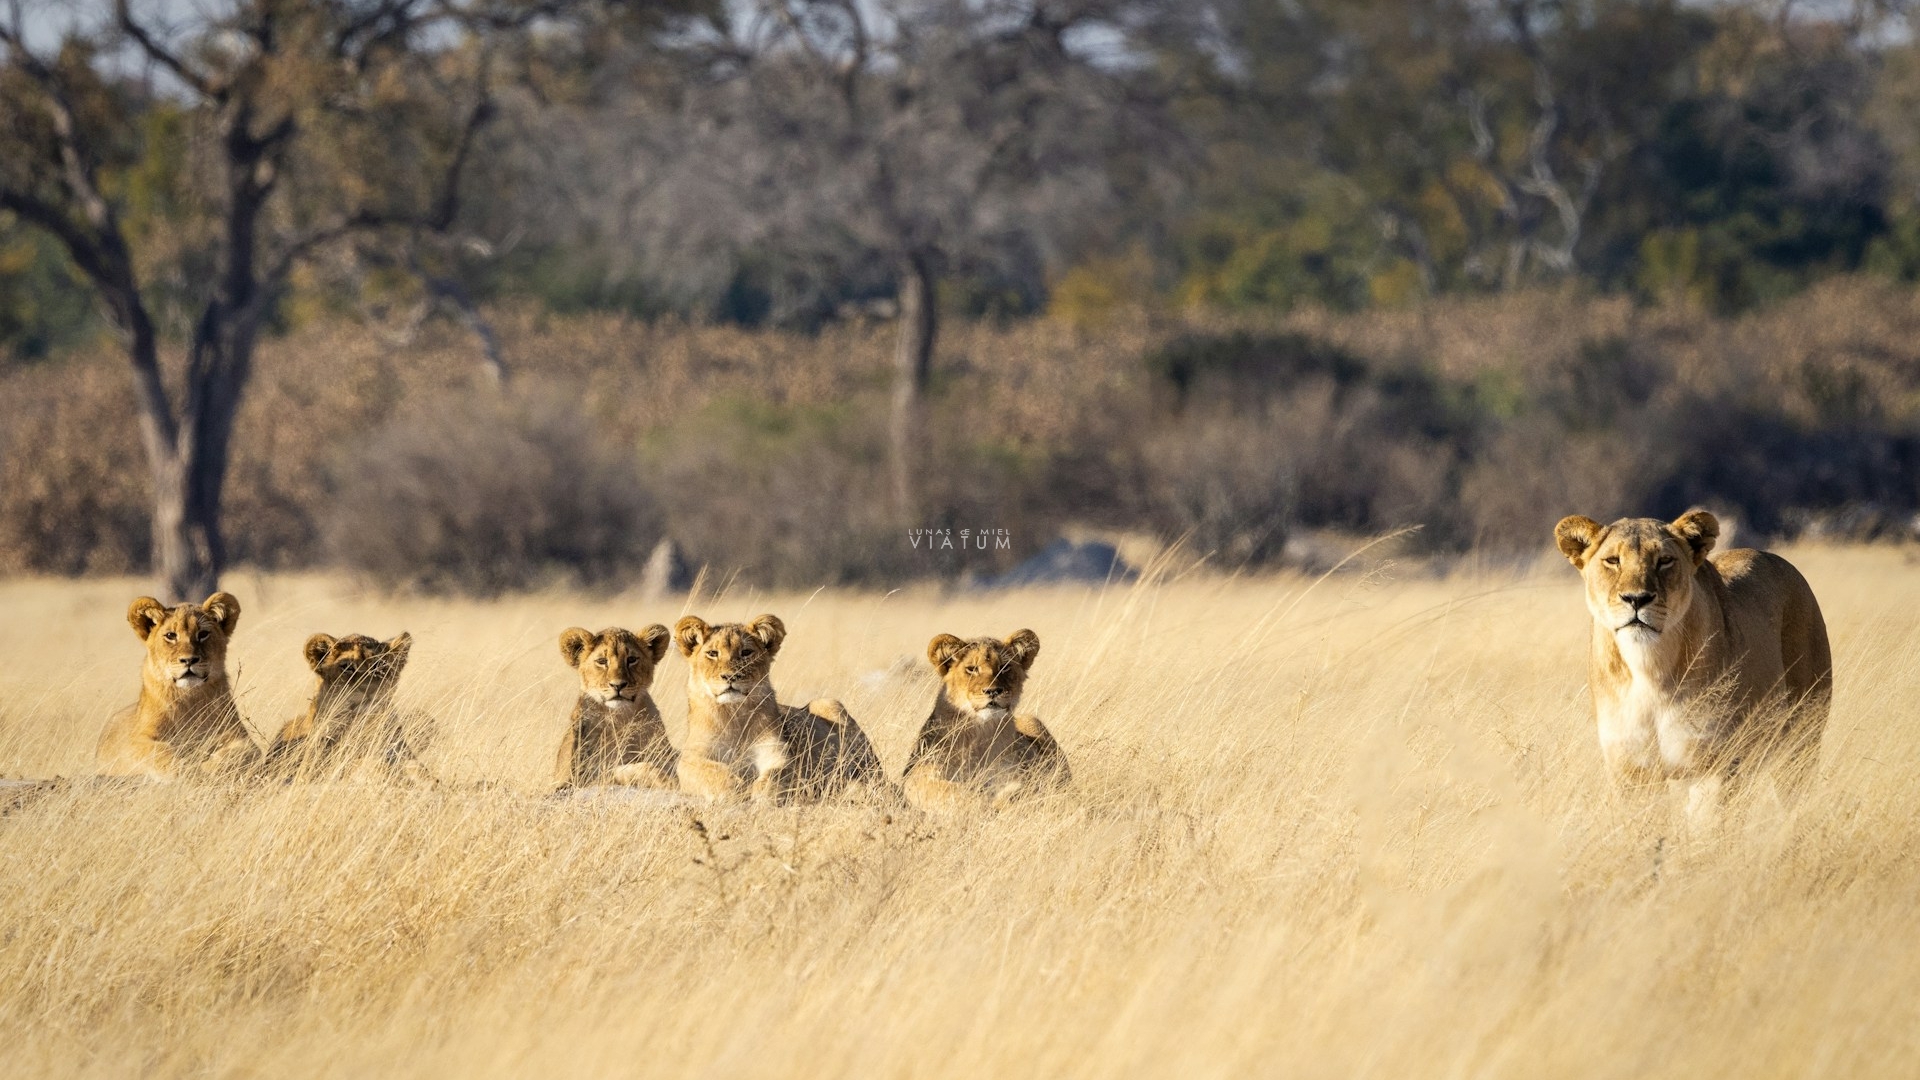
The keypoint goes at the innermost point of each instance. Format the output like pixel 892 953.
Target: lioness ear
pixel 316 649
pixel 1699 530
pixel 1576 536
pixel 689 632
pixel 656 638
pixel 770 630
pixel 224 607
pixel 1024 645
pixel 399 647
pixel 574 643
pixel 144 614
pixel 942 649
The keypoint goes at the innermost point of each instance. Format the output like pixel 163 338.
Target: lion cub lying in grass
pixel 351 726
pixel 739 736
pixel 975 747
pixel 185 722
pixel 615 735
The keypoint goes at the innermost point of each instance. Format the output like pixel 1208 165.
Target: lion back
pixel 827 750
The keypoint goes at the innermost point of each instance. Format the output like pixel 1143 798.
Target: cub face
pixel 615 665
pixel 187 643
pixel 729 660
pixel 1638 571
pixel 984 676
pixel 357 663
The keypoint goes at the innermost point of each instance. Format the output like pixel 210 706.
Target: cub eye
pixel 633 661
pixel 713 654
pixel 171 637
pixel 1666 561
pixel 745 653
pixel 973 669
pixel 1611 560
pixel 602 661
pixel 203 635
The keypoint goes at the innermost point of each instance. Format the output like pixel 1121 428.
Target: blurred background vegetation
pixel 1230 270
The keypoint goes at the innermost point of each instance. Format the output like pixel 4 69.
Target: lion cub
pixel 351 724
pixel 740 737
pixel 185 720
pixel 975 747
pixel 616 735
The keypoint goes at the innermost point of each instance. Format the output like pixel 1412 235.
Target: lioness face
pixel 985 676
pixel 615 665
pixel 1638 571
pixel 357 665
pixel 730 660
pixel 186 644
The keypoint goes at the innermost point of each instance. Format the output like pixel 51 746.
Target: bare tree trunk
pixel 913 364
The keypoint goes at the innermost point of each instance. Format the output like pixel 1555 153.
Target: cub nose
pixel 189 661
pixel 616 683
pixel 1637 600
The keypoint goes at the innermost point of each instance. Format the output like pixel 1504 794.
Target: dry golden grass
pixel 1357 829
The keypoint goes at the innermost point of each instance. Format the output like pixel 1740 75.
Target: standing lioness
pixel 1702 669
pixel 185 720
pixel 739 736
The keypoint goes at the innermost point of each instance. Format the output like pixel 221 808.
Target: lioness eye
pixel 203 635
pixel 170 636
pixel 973 669
pixel 713 654
pixel 1666 561
pixel 744 653
pixel 602 661
pixel 1611 560
pixel 632 660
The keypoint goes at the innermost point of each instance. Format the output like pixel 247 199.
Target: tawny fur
pixel 1724 669
pixel 615 735
pixel 185 722
pixel 351 727
pixel 740 739
pixel 977 748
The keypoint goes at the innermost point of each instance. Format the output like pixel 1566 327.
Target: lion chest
pixel 751 743
pixel 1646 733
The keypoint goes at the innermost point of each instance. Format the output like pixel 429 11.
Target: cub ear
pixel 398 648
pixel 1698 529
pixel 689 632
pixel 316 649
pixel 574 643
pixel 144 614
pixel 1024 646
pixel 770 630
pixel 224 607
pixel 1576 535
pixel 942 650
pixel 656 638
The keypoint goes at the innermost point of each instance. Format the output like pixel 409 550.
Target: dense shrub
pixel 763 453
pixel 480 494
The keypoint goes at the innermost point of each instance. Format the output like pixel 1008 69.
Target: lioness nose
pixel 616 683
pixel 189 661
pixel 1638 600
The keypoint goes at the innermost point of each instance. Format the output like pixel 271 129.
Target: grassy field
pixel 1357 828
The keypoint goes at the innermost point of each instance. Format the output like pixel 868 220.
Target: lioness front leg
pixel 640 774
pixel 142 758
pixel 769 756
pixel 239 757
pixel 705 777
pixel 936 794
